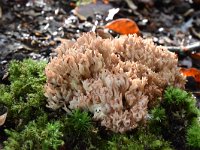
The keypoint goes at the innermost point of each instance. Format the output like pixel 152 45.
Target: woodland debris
pixel 194 47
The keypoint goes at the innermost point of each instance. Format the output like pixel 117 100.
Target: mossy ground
pixel 173 124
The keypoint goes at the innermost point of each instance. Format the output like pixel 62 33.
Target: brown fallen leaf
pixel 123 26
pixel 103 33
pixel 195 73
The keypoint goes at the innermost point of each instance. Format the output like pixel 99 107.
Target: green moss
pixel 158 120
pixel 179 100
pixel 123 142
pixel 175 96
pixel 39 134
pixel 78 130
pixel 24 97
pixel 151 141
pixel 5 95
pixel 80 122
pixel 142 139
pixel 193 134
pixel 158 114
pixel 173 116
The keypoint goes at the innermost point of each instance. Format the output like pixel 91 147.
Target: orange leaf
pixel 123 26
pixel 191 72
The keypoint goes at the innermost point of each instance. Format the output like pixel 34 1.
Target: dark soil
pixel 3 109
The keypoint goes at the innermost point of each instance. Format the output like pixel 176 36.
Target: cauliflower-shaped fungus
pixel 115 79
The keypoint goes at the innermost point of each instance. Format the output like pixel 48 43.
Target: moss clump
pixel 193 134
pixel 78 130
pixel 173 118
pixel 157 119
pixel 24 97
pixel 123 142
pixel 80 122
pixel 38 134
pixel 180 101
pixel 142 139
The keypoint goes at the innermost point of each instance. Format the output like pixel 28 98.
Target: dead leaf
pixel 191 72
pixel 123 26
pixel 104 34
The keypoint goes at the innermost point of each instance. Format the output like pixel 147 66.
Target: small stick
pixel 195 47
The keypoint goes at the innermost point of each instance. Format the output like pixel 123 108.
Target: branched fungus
pixel 114 79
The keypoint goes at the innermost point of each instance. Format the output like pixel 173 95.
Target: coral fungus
pixel 115 79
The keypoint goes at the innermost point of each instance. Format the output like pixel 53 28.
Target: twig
pixel 195 33
pixel 196 92
pixel 195 47
pixel 131 4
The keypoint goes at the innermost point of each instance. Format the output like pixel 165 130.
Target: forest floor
pixel 32 29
